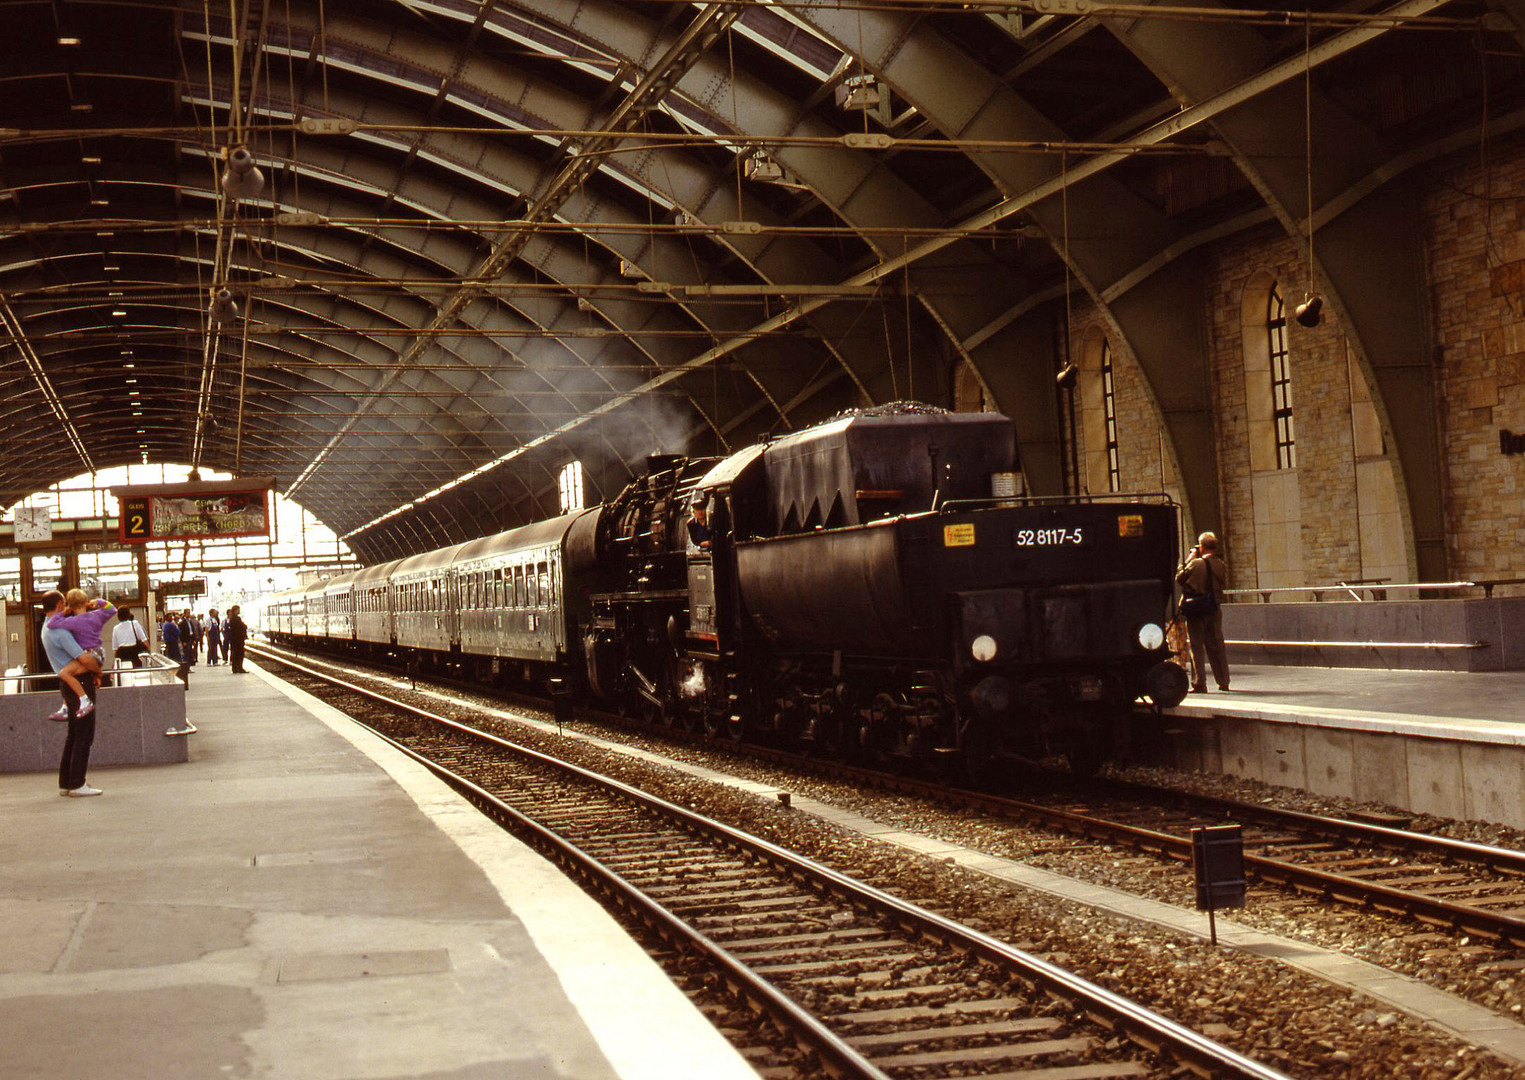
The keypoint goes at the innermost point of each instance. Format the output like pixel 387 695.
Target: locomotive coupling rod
pixel 648 688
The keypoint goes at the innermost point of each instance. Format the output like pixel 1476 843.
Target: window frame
pixel 1109 417
pixel 1283 424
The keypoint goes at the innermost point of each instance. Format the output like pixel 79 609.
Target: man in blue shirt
pixel 61 648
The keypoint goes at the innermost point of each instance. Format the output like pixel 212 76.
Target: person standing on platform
pixel 129 640
pixel 187 639
pixel 234 631
pixel 1202 579
pixel 214 637
pixel 62 650
pixel 169 634
pixel 85 619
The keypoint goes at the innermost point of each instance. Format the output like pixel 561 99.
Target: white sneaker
pixel 189 729
pixel 61 714
pixel 84 792
pixel 86 707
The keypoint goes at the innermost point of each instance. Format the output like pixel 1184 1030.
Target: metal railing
pixel 1374 588
pixel 155 665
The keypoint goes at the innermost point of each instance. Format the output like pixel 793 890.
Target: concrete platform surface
pixel 1486 703
pixel 299 900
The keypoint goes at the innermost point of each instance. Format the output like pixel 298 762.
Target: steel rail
pixel 840 1059
pixel 836 1056
pixel 1465 917
pixel 1143 1026
pixel 1504 859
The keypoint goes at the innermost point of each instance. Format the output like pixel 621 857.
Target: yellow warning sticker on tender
pixel 1130 525
pixel 959 535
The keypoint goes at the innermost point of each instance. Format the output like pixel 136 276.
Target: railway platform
pixel 300 900
pixel 1449 743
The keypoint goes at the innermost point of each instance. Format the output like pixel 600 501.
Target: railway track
pixel 1470 889
pixel 864 983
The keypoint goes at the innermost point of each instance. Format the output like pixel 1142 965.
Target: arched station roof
pixel 494 236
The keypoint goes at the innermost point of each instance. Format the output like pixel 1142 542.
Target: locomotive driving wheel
pixel 721 726
pixel 873 729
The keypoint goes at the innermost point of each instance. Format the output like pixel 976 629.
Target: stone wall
pixel 1337 516
pixel 1477 297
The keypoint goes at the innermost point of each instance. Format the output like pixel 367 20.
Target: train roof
pixel 536 535
pixel 314 589
pixel 379 572
pixel 427 561
pixel 340 582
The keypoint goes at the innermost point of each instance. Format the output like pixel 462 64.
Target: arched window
pixel 968 390
pixel 1281 382
pixel 570 483
pixel 1109 414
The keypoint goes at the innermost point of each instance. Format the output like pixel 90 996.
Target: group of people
pixel 72 632
pixel 184 633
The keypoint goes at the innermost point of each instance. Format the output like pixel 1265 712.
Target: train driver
pixel 699 526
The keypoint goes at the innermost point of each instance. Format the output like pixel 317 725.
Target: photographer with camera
pixel 1202 578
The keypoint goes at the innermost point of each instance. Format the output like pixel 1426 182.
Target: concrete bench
pixel 132 718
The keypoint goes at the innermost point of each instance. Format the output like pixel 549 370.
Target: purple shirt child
pixel 87 625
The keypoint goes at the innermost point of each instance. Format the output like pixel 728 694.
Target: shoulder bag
pixel 1196 605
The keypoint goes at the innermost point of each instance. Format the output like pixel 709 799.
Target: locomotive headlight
pixel 1151 636
pixel 983 648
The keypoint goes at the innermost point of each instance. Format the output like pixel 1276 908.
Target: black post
pixel 1217 860
pixel 561 702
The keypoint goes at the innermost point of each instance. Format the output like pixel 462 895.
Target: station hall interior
pixel 310 306
pixel 415 260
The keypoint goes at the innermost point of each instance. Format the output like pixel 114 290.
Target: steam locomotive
pixel 870 588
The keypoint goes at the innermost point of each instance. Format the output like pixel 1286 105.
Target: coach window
pixel 544 574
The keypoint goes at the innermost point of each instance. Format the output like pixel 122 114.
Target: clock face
pixel 33 524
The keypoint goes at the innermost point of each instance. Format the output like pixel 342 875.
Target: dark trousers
pixel 236 656
pixel 76 755
pixel 212 650
pixel 1206 633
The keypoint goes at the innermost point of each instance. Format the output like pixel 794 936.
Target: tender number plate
pixel 1050 537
